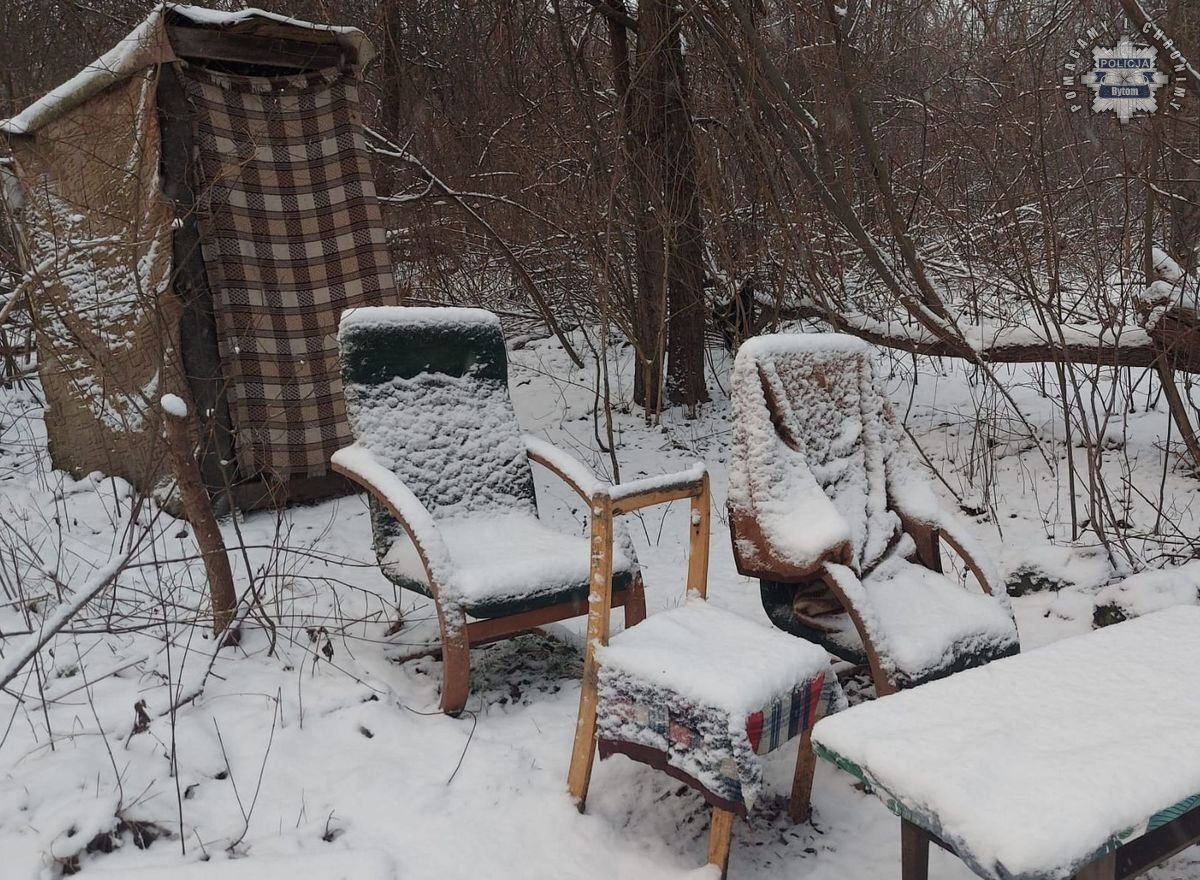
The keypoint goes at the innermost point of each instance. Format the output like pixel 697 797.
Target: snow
pixel 444 796
pixel 415 316
pixel 173 405
pixel 1165 267
pixel 714 658
pixel 496 556
pixel 349 865
pixel 454 441
pixel 1152 591
pixel 1031 764
pixel 923 618
pixel 658 483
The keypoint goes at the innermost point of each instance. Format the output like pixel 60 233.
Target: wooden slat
pixel 1158 845
pixel 483 631
pixel 212 45
pixel 1104 868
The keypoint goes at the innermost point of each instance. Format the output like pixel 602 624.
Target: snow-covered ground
pixel 310 752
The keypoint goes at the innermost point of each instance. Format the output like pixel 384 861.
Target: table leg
pixel 800 805
pixel 914 852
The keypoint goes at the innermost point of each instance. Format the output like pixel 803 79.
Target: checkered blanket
pixel 717 751
pixel 292 235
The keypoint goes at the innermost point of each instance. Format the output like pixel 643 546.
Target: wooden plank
pixel 483 631
pixel 914 851
pixel 211 45
pixel 583 753
pixel 720 836
pixel 1142 854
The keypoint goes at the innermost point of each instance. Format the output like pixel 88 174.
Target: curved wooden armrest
pixel 365 469
pixel 928 539
pixel 973 564
pixel 565 466
pixel 636 494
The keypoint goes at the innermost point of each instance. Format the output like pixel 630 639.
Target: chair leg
pixel 635 602
pixel 456 661
pixel 720 835
pixel 800 805
pixel 914 851
pixel 583 752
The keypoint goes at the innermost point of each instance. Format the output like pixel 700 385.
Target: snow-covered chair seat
pixel 695 691
pixel 453 509
pixel 506 563
pixel 701 693
pixel 839 525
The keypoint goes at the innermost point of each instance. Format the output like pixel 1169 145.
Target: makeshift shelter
pixel 198 211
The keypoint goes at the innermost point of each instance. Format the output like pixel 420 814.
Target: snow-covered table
pixel 1078 759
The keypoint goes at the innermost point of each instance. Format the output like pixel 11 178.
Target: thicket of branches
pixel 688 173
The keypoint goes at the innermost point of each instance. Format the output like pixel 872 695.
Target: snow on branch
pixel 1120 346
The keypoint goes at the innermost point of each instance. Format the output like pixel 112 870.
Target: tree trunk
pixel 685 270
pixel 637 115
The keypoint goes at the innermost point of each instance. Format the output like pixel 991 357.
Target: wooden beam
pixel 211 45
pixel 1157 846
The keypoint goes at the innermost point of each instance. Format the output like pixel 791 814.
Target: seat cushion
pixel 701 693
pixel 506 563
pixel 928 626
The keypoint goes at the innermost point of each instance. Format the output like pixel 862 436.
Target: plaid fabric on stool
pixel 702 744
pixel 786 717
pixel 292 235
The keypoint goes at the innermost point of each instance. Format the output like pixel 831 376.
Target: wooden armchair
pixel 453 510
pixel 840 527
pixel 694 691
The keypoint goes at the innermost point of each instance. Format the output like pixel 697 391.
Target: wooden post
pixel 198 511
pixel 599 607
pixel 720 835
pixel 697 577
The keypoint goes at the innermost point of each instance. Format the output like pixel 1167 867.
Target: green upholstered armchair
pixel 453 509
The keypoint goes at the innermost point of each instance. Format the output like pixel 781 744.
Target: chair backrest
pixel 427 394
pixel 809 457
